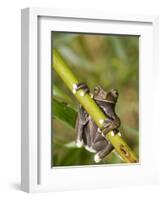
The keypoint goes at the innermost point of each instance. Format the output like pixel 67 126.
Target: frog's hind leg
pixel 79 129
pixel 105 150
pixel 82 120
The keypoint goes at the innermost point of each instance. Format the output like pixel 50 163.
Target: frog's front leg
pixel 111 124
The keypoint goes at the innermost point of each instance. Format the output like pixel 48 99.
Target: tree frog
pixel 88 133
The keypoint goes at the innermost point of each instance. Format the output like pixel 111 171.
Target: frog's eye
pixel 96 89
pixel 115 93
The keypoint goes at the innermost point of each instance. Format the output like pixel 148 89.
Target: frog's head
pixel 101 95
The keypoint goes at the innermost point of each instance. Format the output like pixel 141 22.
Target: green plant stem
pixel 91 107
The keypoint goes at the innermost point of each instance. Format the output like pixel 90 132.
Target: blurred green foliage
pixel 111 61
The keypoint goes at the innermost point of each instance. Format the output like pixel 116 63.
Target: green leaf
pixel 57 92
pixel 64 112
pixel 61 96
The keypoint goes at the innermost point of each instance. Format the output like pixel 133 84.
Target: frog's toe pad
pixel 97 158
pixel 79 143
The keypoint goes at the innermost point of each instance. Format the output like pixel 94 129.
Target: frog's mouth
pixel 106 100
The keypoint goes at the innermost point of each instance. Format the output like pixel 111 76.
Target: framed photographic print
pixel 88 83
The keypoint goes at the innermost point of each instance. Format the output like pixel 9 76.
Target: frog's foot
pixel 79 143
pixel 82 86
pixel 103 152
pixel 97 158
pixel 110 125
